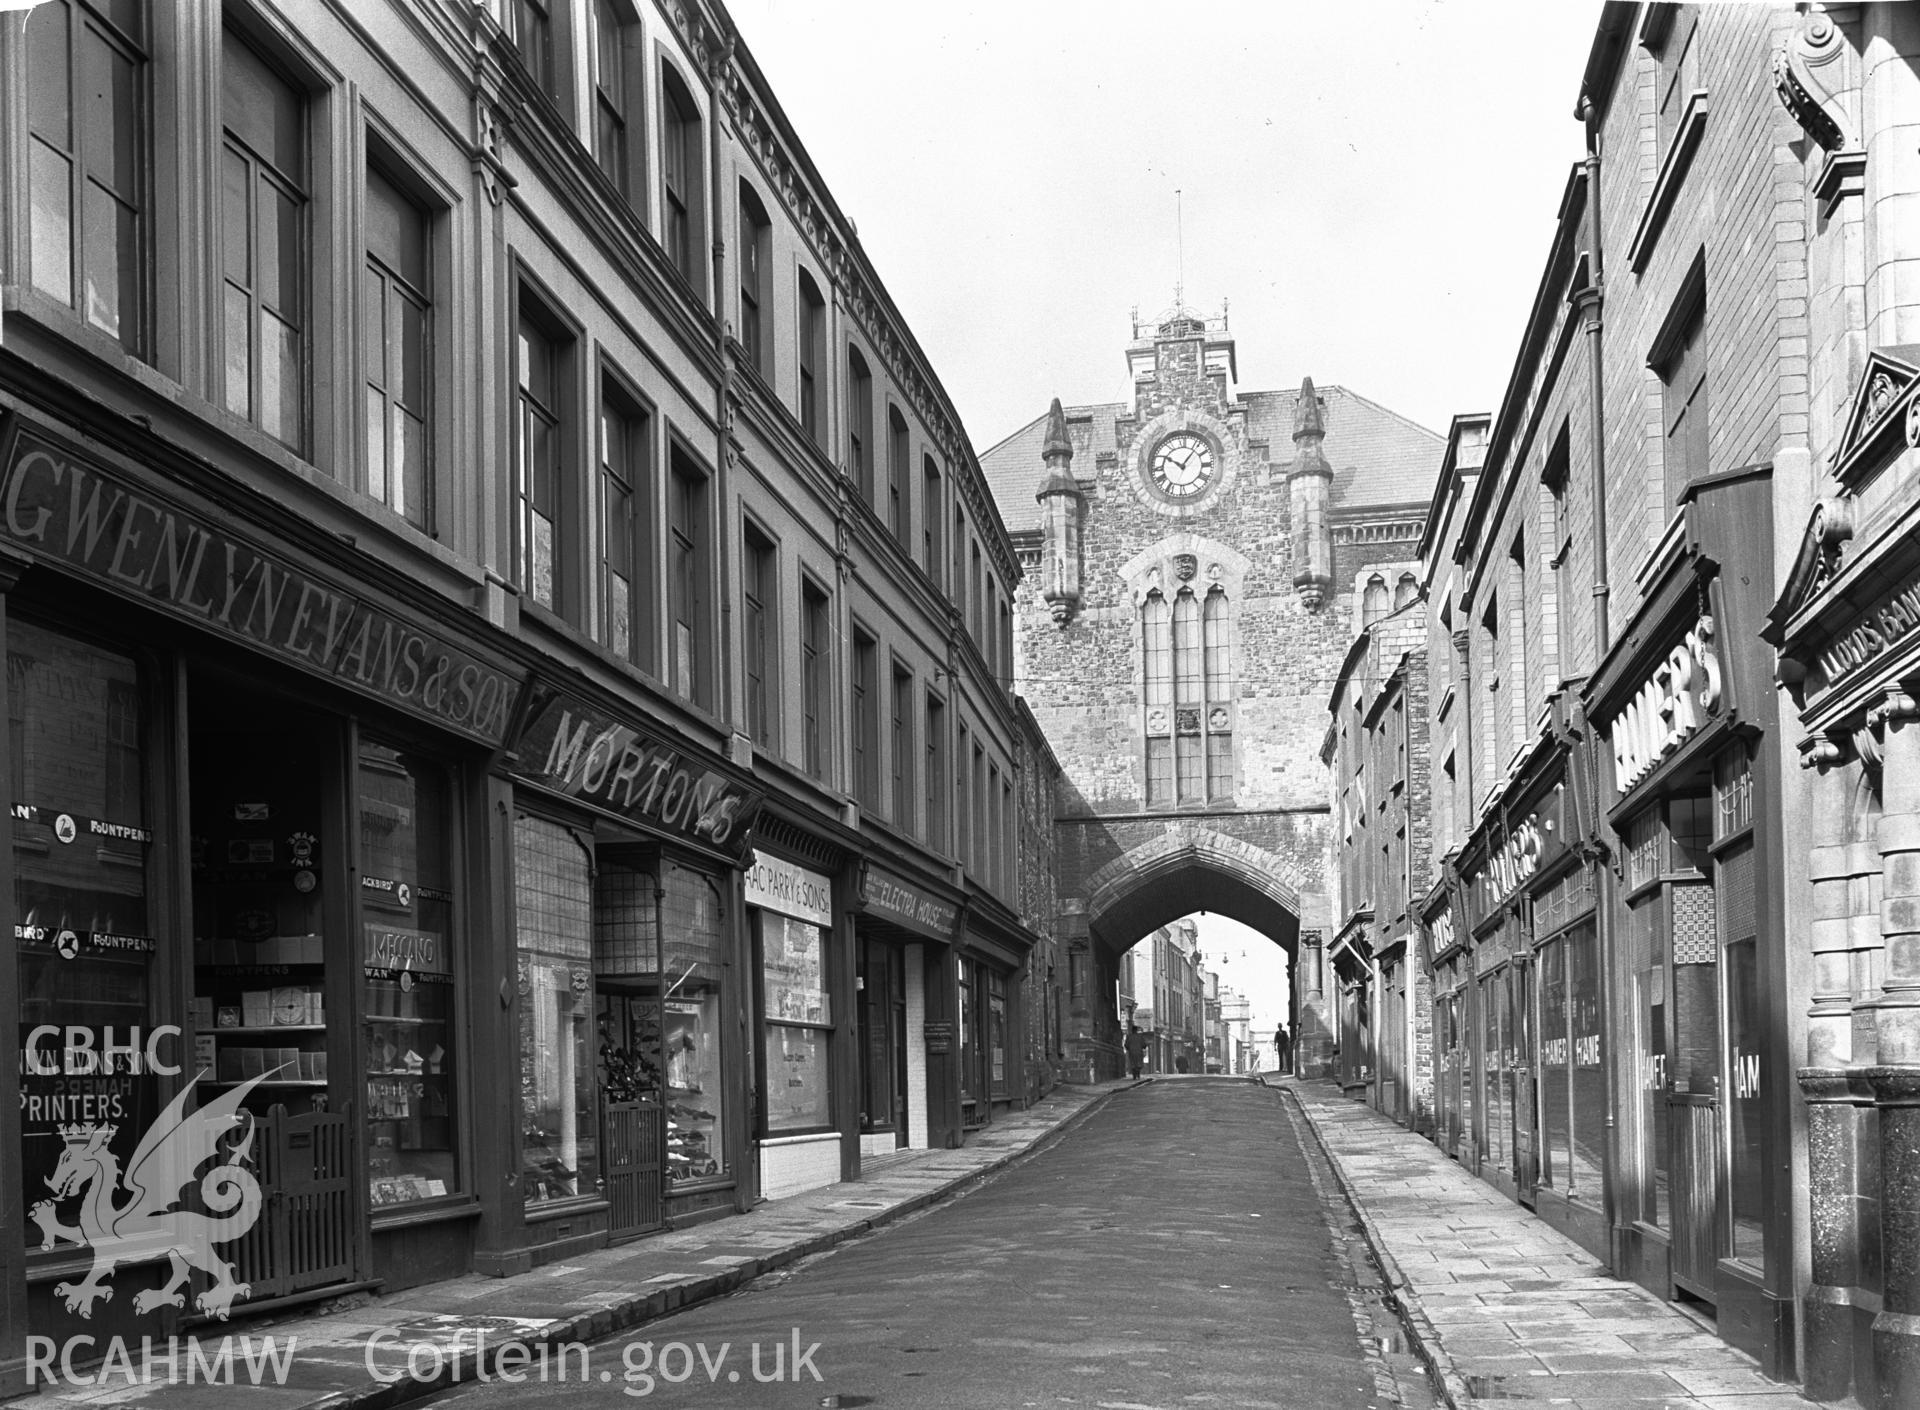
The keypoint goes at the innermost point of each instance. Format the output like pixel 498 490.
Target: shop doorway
pixel 633 1130
pixel 1693 1100
pixel 267 847
pixel 883 1039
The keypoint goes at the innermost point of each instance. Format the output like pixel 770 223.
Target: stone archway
pixel 1186 866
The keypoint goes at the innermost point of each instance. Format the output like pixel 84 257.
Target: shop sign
pixel 774 884
pixel 573 748
pixel 61 509
pixel 939 1036
pixel 1668 709
pixel 416 951
pixel 1441 931
pixel 884 894
pixel 1879 630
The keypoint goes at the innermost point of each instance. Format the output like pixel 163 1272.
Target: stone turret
pixel 1309 493
pixel 1061 507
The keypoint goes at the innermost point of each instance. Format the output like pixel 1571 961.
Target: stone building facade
pixel 1193 562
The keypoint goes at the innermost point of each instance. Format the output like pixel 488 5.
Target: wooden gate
pixel 632 1140
pixel 1698 1217
pixel 304 1235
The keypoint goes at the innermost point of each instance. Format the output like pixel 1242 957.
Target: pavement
pixel 1504 1308
pixel 1498 1305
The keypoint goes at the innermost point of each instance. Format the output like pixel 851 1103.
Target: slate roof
pixel 1378 456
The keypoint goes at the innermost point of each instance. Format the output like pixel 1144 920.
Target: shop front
pixel 801 1001
pixel 1693 926
pixel 1847 627
pixel 247 927
pixel 626 1098
pixel 913 1035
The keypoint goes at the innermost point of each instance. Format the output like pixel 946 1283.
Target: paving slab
pixel 1504 1309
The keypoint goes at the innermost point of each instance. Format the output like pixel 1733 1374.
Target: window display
pixel 407 963
pixel 1587 1153
pixel 1555 1066
pixel 690 952
pixel 793 976
pixel 553 905
pixel 86 951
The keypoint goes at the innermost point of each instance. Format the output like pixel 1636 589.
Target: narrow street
pixel 1169 1250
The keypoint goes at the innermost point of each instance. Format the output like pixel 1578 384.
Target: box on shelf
pixel 227 1016
pixel 200 1010
pixel 283 1063
pixel 290 1005
pixel 313 1067
pixel 256 1007
pixel 206 1052
pixel 253 1061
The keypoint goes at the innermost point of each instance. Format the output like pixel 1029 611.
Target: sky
pixel 1370 186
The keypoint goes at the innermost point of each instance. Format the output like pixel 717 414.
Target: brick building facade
pixel 1193 559
pixel 1668 924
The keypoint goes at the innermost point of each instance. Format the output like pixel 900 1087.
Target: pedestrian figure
pixel 1136 1050
pixel 1180 1063
pixel 1282 1047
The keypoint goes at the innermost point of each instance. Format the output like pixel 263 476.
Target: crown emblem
pixel 81 1133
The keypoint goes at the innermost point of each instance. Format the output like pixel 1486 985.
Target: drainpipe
pixel 717 69
pixel 1589 301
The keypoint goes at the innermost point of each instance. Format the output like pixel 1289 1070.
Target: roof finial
pixel 1307 420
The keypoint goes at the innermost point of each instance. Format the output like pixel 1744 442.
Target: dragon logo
pixel 149 1222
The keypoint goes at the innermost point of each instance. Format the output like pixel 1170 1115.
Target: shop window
pixel 615 95
pixel 1650 1014
pixel 814 674
pixel 682 159
pixel 1495 998
pixel 406 897
pixel 84 939
pixel 759 645
pixel 997 1034
pixel 626 525
pixel 398 349
pixel 860 424
pixel 88 110
pixel 553 913
pixel 689 579
pixel 812 351
pixel 692 951
pixel 799 1024
pixel 756 238
pixel 265 243
pixel 1732 793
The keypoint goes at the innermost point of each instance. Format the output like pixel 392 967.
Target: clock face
pixel 1183 465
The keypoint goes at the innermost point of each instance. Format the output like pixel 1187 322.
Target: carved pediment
pixel 1822 552
pixel 1880 423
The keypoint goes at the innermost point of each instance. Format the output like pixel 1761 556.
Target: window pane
pixel 279 269
pixel 262 109
pixel 109 258
pixel 410 467
pixel 280 409
pixel 541 584
pixel 396 230
pixel 553 905
pixel 109 119
pixel 47 66
pixel 1587 1154
pixel 1747 1112
pixel 239 358
pixel 620 615
pixel 1555 1065
pixel 411 348
pixel 406 817
pixel 376 444
pixel 52 238
pixel 236 243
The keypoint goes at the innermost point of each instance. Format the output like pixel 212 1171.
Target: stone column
pixel 1833 1119
pixel 1890 122
pixel 1313 1034
pixel 1895 1076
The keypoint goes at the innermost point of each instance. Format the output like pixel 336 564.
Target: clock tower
pixel 1196 559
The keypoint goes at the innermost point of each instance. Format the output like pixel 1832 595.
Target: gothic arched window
pixel 1188 655
pixel 1405 591
pixel 1373 601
